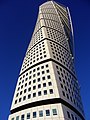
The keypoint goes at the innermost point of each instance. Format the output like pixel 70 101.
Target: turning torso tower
pixel 47 87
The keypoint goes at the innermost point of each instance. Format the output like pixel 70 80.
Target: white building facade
pixel 47 87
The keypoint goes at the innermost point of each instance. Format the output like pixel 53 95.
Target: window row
pixel 34 87
pixel 34 114
pixel 35 69
pixel 71 116
pixel 34 81
pixel 39 93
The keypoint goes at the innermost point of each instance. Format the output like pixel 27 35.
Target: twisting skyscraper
pixel 47 87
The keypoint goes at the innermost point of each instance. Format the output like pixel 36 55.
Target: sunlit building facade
pixel 47 86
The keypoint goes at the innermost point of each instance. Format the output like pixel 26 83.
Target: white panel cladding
pixel 51 116
pixel 37 79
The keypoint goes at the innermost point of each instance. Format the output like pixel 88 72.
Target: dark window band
pixel 46 102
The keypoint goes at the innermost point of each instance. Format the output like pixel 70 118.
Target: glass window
pixel 49 83
pixel 51 91
pixel 29 89
pixel 43 78
pixel 44 84
pixel 47 65
pixel 39 93
pixel 43 72
pixel 12 119
pixel 47 112
pixel 19 99
pixel 15 101
pixel 34 94
pixel 41 113
pixel 39 85
pixel 34 114
pixel 22 117
pixel 24 98
pixel 54 111
pixel 48 76
pixel 68 114
pixel 38 79
pixel 29 96
pixel 42 67
pixel 25 90
pixel 17 118
pixel 72 116
pixel 47 71
pixel 45 92
pixel 34 87
pixel 34 81
pixel 28 115
pixel 38 73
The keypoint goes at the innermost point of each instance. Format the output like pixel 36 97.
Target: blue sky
pixel 17 21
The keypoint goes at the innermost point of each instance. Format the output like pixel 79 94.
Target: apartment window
pixel 54 111
pixel 34 114
pixel 34 70
pixel 21 93
pixel 41 113
pixel 61 85
pixel 43 72
pixel 18 88
pixel 19 99
pixel 22 117
pixel 38 73
pixel 47 112
pixel 44 84
pixel 38 68
pixel 28 115
pixel 68 114
pixel 39 93
pixel 75 118
pixel 29 96
pixel 38 79
pixel 34 94
pixel 29 89
pixel 25 90
pixel 63 93
pixel 26 74
pixel 34 81
pixel 72 116
pixel 48 76
pixel 21 86
pixel 30 72
pixel 45 92
pixel 46 65
pixel 15 101
pixel 17 118
pixel 34 87
pixel 29 77
pixel 30 83
pixel 47 71
pixel 39 86
pixel 49 83
pixel 34 75
pixel 19 83
pixel 42 67
pixel 51 91
pixel 24 98
pixel 43 78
